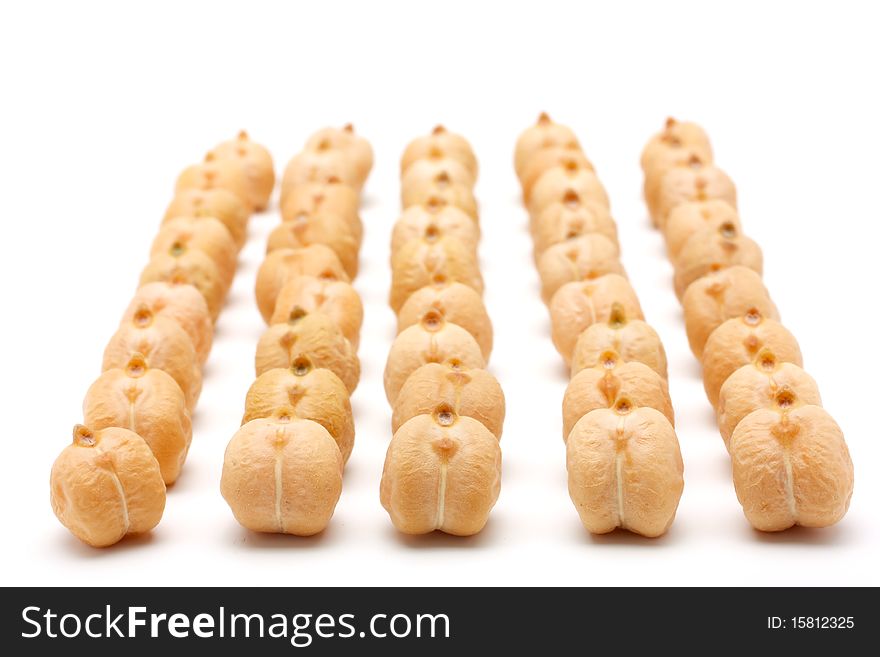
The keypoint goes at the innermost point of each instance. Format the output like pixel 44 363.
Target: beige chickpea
pixel 456 303
pixel 791 467
pixel 315 337
pixel 330 199
pixel 695 181
pixel 567 220
pixel 765 383
pixel 561 181
pixel 106 485
pixel 578 305
pixel 473 393
pixel 148 402
pixel 714 248
pixel 282 475
pixel 302 295
pixel 257 163
pixel 163 344
pixel 306 230
pixel 672 159
pixel 632 339
pixel 546 159
pixel 422 222
pixel 186 265
pixel 723 295
pixel 207 235
pixel 320 167
pixel 676 137
pixel 281 265
pixel 345 139
pixel 611 379
pixel 217 173
pixel 425 178
pixel 571 171
pixel 577 259
pixel 221 204
pixel 737 342
pixel 439 144
pixel 624 470
pixel 440 193
pixel 308 393
pixel 688 218
pixel 442 472
pixel 429 171
pixel 544 134
pixel 432 340
pixel 181 303
pixel 429 261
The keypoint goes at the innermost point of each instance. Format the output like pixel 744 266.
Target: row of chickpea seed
pixel 443 465
pixel 111 481
pixel 790 462
pixel 283 469
pixel 622 453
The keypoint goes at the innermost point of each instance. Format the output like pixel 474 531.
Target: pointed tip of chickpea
pixel 137 365
pixel 301 366
pixel 143 316
pixel 83 436
pixel 445 416
pixel 623 406
pixel 296 314
pixel 618 317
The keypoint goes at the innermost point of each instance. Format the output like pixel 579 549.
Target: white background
pixel 103 104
